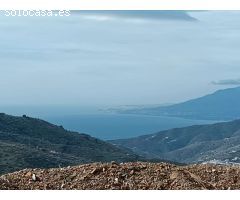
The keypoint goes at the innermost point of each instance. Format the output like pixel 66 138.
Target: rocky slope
pixel 138 175
pixel 33 143
pixel 193 144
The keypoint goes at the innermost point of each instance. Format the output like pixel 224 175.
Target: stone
pixel 28 174
pixel 34 177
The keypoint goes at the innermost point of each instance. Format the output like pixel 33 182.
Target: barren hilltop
pixel 133 175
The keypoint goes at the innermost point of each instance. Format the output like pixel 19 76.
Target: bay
pixel 118 126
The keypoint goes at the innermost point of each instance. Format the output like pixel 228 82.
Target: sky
pixel 89 60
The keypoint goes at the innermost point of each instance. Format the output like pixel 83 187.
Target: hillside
pixel 221 105
pixel 124 176
pixel 33 143
pixel 198 143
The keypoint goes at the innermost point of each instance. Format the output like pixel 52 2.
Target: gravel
pixel 125 176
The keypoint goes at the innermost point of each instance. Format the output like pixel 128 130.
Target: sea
pixel 119 126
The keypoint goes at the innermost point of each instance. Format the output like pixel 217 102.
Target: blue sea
pixel 117 126
pixel 98 122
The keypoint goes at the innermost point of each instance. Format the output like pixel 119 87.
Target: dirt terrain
pixel 125 176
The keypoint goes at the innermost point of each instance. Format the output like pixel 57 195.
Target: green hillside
pixel 29 143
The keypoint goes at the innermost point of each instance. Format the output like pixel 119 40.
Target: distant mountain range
pixel 33 143
pixel 193 144
pixel 221 105
pixel 142 14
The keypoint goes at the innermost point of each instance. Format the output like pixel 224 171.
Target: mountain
pixel 33 143
pixel 218 142
pixel 141 14
pixel 221 105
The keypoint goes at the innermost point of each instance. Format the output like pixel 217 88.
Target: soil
pixel 125 176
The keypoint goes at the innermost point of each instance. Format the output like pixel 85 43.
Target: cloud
pixel 227 82
pixel 136 14
pixel 98 17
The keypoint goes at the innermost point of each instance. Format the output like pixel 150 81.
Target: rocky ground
pixel 137 175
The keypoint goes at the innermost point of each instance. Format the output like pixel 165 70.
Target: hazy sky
pixel 103 60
